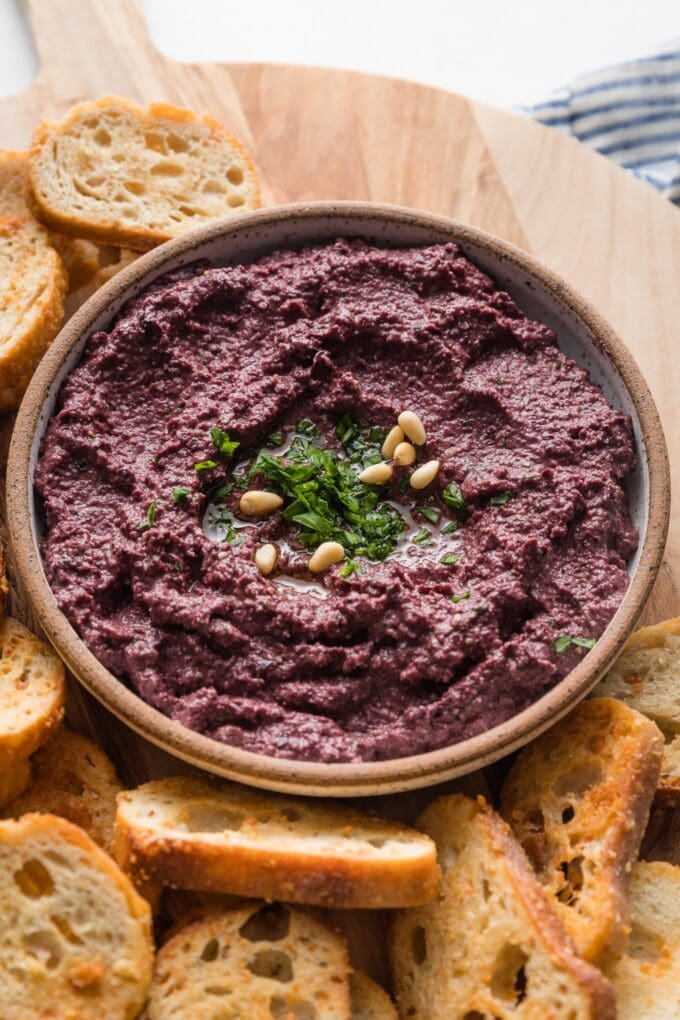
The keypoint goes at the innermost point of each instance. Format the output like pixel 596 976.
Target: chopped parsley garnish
pixel 459 598
pixel 450 527
pixel 453 496
pixel 350 567
pixel 222 443
pixel 223 520
pixel 450 559
pixel 275 439
pixel 179 493
pixel 430 513
pixel 307 428
pixel 326 499
pixel 565 641
pixel 219 491
pixel 150 519
pixel 205 465
pixel 501 499
pixel 422 536
pixel 362 445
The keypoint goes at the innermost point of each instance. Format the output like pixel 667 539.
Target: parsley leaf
pixel 275 439
pixel 179 493
pixel 222 443
pixel 205 465
pixel 150 519
pixel 350 567
pixel 565 641
pixel 430 513
pixel 362 445
pixel 453 496
pixel 450 558
pixel 422 536
pixel 307 428
pixel 450 527
pixel 459 598
pixel 501 499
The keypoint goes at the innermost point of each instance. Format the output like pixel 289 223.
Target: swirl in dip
pixel 456 605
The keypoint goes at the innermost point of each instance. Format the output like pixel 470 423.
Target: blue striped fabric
pixel 630 112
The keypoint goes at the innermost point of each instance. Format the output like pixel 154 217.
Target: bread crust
pixel 112 231
pixel 31 670
pixel 32 284
pixel 253 859
pixel 578 800
pixel 72 778
pixel 637 679
pixel 490 906
pixel 369 1000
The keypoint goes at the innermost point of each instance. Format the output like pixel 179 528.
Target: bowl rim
pixel 317 778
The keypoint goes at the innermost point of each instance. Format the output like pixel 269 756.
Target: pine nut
pixel 426 473
pixel 266 557
pixel 392 440
pixel 413 427
pixel 325 555
pixel 404 454
pixel 257 502
pixel 376 474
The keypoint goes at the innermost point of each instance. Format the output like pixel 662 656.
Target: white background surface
pixel 506 52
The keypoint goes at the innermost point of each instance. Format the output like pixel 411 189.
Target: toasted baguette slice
pixel 32 687
pixel 80 259
pixel 32 284
pixel 114 172
pixel 647 677
pixel 647 977
pixel 259 962
pixel 193 834
pixel 578 799
pixel 125 257
pixel 369 1000
pixel 72 778
pixel 76 937
pixel 489 945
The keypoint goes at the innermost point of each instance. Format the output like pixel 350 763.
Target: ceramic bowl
pixel 582 334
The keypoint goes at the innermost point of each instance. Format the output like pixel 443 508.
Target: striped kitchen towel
pixel 630 112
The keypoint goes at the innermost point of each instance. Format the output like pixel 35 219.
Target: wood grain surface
pixel 317 133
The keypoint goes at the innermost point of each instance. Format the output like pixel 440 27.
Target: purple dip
pixel 387 665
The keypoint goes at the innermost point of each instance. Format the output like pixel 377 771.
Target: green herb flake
pixel 565 641
pixel 459 598
pixel 205 465
pixel 453 496
pixel 220 491
pixel 150 519
pixel 306 428
pixel 584 642
pixel 501 499
pixel 275 439
pixel 449 528
pixel 450 559
pixel 430 513
pixel 179 493
pixel 422 536
pixel 222 443
pixel 350 567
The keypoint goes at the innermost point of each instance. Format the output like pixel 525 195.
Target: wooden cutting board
pixel 318 133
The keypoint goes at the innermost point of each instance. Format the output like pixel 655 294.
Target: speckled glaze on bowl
pixel 582 334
